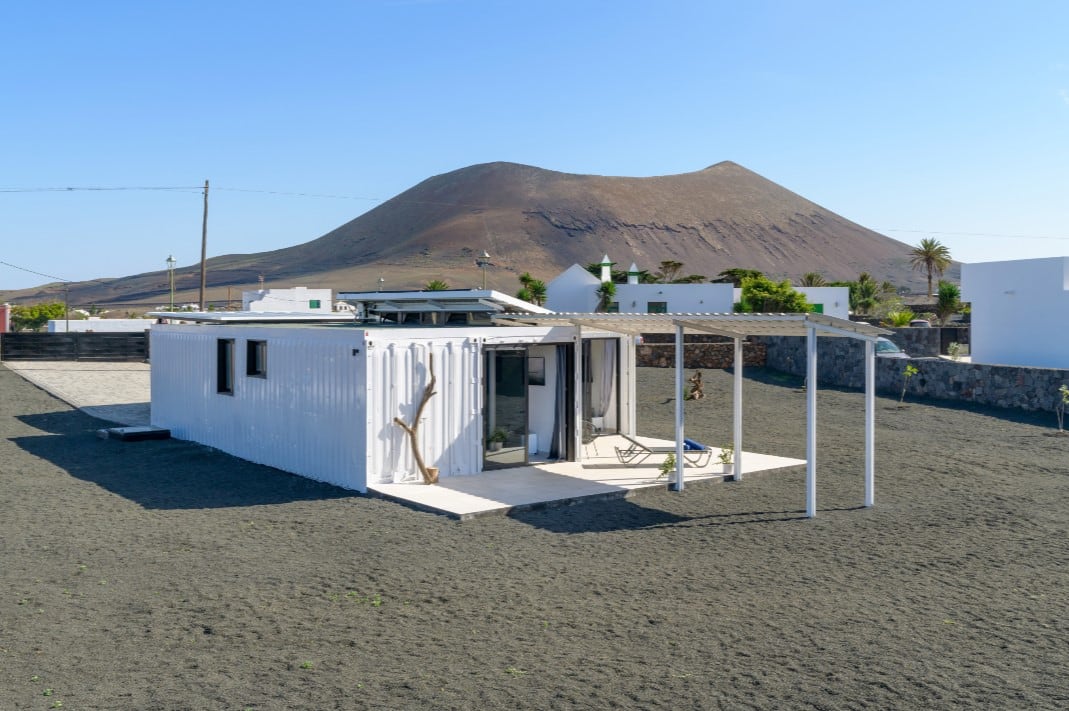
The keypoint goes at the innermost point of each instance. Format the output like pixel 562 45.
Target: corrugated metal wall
pixel 450 431
pixel 307 416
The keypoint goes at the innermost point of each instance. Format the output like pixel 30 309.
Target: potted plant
pixel 668 465
pixel 726 458
pixel 496 440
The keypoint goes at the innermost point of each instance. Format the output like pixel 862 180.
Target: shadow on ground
pixel 168 474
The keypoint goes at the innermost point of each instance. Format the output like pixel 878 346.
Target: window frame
pixel 224 366
pixel 256 358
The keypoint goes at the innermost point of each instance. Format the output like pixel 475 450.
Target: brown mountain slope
pixel 536 220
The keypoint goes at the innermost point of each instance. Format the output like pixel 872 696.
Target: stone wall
pixel 841 362
pixel 700 355
pixel 929 342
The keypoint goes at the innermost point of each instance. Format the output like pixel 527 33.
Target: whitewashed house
pixel 575 290
pixel 299 298
pixel 1020 311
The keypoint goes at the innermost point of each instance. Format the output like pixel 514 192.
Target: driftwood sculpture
pixel 696 392
pixel 429 474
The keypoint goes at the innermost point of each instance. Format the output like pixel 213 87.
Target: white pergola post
pixel 737 413
pixel 870 423
pixel 577 387
pixel 632 396
pixel 811 423
pixel 677 485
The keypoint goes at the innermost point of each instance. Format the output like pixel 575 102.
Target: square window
pixel 313 304
pixel 224 366
pixel 256 359
pixel 656 307
pixel 614 308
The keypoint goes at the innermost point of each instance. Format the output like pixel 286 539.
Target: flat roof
pixel 253 316
pixel 446 300
pixel 733 325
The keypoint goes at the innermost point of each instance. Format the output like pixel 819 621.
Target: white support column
pixel 632 397
pixel 577 389
pixel 737 413
pixel 678 483
pixel 811 423
pixel 870 423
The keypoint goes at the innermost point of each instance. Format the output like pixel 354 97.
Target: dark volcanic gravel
pixel 164 575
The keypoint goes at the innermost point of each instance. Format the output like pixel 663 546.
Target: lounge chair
pixel 694 454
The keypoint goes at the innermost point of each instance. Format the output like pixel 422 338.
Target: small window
pixel 816 308
pixel 656 307
pixel 256 359
pixel 313 304
pixel 614 308
pixel 224 366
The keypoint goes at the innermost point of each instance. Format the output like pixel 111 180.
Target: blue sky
pixel 941 119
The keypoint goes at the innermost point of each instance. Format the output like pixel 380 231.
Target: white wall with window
pixel 300 299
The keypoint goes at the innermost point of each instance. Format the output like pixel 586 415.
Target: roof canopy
pixel 253 316
pixel 734 325
pixel 460 300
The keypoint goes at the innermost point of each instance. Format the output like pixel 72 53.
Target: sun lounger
pixel 635 452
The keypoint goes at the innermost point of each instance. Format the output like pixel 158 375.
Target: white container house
pixel 320 400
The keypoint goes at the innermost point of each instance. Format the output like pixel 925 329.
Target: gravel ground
pixel 164 575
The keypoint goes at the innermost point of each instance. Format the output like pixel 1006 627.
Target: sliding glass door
pixel 505 415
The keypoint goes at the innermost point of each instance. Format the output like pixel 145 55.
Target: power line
pixel 31 271
pixel 90 189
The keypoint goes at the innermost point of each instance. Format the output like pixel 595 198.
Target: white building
pixel 95 324
pixel 575 290
pixel 299 298
pixel 320 401
pixel 1020 311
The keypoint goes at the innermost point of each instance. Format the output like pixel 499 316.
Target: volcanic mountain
pixel 540 221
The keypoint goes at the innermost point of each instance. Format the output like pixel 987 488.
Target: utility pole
pixel 204 249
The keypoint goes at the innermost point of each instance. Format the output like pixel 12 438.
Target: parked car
pixel 886 348
pixel 920 323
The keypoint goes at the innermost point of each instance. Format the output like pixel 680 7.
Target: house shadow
pixel 163 474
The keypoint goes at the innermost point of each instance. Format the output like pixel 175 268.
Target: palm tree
pixel 930 256
pixel 533 291
pixel 436 285
pixel 813 279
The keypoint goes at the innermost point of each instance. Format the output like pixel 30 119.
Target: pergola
pixel 738 327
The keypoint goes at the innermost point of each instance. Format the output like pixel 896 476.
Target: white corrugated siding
pixel 305 417
pixel 451 429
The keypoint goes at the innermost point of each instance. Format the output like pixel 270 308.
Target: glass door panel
pixel 505 417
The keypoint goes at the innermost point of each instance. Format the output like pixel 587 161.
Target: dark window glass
pixel 224 366
pixel 256 358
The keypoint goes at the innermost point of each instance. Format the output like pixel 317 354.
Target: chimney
pixel 632 274
pixel 606 269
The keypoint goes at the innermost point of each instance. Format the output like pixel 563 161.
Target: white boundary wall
pixel 101 325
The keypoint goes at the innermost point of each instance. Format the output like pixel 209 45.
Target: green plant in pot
pixel 497 439
pixel 668 465
pixel 726 458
